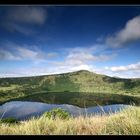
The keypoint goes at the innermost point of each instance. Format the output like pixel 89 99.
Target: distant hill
pixel 79 81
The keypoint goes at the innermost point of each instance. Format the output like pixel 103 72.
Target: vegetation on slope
pixel 81 82
pixel 126 122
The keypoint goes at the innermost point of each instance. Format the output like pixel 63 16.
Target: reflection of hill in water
pixel 23 110
pixel 80 99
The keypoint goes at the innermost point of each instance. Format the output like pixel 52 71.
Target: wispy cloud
pixel 7 55
pixel 131 67
pixel 14 27
pixel 27 14
pixel 85 57
pixel 13 51
pixel 130 33
pixel 20 19
pixel 89 54
pixel 128 71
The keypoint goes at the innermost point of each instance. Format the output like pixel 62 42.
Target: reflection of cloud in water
pixel 106 109
pixel 24 109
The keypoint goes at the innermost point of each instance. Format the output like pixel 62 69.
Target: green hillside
pixel 74 86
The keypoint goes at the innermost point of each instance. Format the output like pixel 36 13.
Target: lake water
pixel 22 110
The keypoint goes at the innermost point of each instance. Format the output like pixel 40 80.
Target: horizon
pixel 46 40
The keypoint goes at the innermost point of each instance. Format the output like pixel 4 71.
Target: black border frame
pixel 69 3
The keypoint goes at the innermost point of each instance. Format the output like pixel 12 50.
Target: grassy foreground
pixel 126 122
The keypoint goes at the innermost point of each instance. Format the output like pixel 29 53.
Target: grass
pixel 126 122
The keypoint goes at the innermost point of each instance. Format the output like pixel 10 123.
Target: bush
pixel 66 91
pixel 9 120
pixel 57 113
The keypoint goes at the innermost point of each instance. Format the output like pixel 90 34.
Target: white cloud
pixel 79 59
pixel 27 14
pixel 131 67
pixel 24 52
pixel 79 56
pixel 76 59
pixel 52 55
pixel 130 33
pixel 85 57
pixel 128 71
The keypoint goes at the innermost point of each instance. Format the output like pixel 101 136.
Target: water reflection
pixel 23 110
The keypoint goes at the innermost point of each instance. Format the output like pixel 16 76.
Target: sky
pixel 42 40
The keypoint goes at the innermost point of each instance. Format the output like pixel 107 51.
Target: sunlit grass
pixel 126 122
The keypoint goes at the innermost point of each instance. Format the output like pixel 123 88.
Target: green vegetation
pixel 9 120
pixel 82 99
pixel 57 113
pixel 82 88
pixel 126 122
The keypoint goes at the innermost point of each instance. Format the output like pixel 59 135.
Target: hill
pixel 69 87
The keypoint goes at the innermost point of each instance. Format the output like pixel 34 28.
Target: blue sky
pixel 39 40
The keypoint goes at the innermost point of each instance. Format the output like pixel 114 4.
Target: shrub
pixel 9 120
pixel 66 91
pixel 57 113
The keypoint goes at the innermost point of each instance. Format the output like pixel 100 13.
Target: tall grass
pixel 126 122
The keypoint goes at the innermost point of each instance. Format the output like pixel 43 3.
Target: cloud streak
pixel 7 55
pixel 130 33
pixel 22 18
pixel 14 27
pixel 80 56
pixel 27 14
pixel 131 67
pixel 24 52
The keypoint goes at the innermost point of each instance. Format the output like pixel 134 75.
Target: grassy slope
pixel 81 83
pixel 126 122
